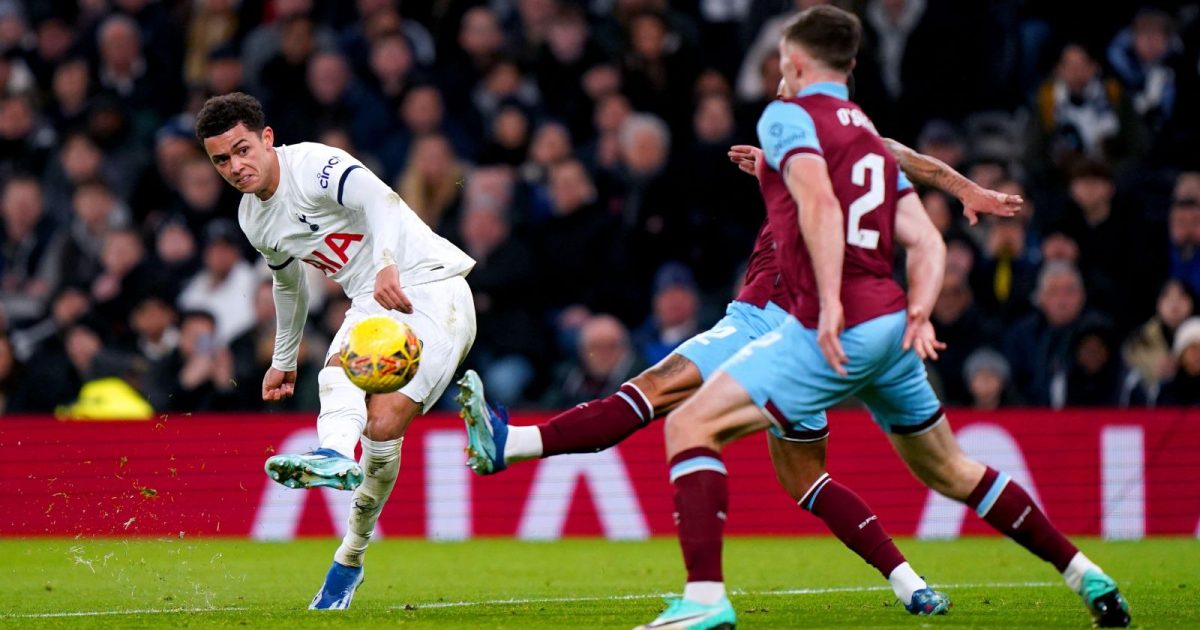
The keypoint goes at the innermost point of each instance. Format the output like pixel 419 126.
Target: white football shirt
pixel 319 216
pixel 334 214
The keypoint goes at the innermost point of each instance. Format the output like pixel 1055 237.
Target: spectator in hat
pixel 1184 388
pixel 940 139
pixel 987 375
pixel 225 284
pixel 675 316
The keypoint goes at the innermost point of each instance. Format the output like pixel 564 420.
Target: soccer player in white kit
pixel 312 204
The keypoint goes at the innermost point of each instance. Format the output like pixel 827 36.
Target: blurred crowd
pixel 576 149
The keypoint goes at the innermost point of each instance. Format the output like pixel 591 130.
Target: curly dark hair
pixel 222 113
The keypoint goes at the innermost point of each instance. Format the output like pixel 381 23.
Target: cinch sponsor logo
pixel 323 178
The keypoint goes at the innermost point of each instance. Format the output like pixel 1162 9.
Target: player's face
pixel 244 158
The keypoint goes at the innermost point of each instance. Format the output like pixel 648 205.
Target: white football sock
pixel 905 582
pixel 707 593
pixel 381 464
pixel 343 411
pixel 523 443
pixel 1075 570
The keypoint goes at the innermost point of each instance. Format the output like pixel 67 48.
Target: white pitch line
pixel 790 591
pixel 102 613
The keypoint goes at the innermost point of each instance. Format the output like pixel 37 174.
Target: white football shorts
pixel 444 319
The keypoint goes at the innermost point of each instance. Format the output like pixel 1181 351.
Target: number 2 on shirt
pixel 869 166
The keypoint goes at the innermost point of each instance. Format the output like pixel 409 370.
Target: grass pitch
pixel 778 582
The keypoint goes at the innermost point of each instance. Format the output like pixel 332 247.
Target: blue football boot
pixel 487 427
pixel 927 601
pixel 338 590
pixel 322 467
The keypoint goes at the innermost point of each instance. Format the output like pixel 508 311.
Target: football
pixel 380 354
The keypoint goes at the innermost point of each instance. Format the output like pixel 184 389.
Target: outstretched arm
pixel 930 171
pixel 926 255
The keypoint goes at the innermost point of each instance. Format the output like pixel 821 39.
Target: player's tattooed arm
pixel 930 171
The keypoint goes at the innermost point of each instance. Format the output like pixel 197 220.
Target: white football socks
pixel 1075 570
pixel 381 464
pixel 343 411
pixel 905 582
pixel 707 593
pixel 523 443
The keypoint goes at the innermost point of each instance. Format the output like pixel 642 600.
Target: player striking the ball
pixel 799 460
pixel 826 165
pixel 317 205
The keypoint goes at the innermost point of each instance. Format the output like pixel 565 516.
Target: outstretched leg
pixel 800 468
pixel 587 428
pixel 936 459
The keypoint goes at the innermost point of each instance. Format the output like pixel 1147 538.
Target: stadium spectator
pixel 509 346
pixel 175 256
pixel 1095 376
pixel 480 45
pixel 432 183
pixel 70 88
pixel 1184 387
pixel 64 363
pixel 1148 353
pixel 577 249
pixel 1038 346
pixel 986 374
pixel 379 19
pixel 69 305
pixel 25 144
pixel 1079 113
pixel 265 41
pixel 392 69
pixel 157 189
pixel 1184 231
pixel 211 24
pixel 604 359
pixel 225 285
pixel 125 277
pixel 11 374
pixel 223 74
pixel 199 374
pixel 675 315
pixel 422 112
pixel 964 327
pixel 507 139
pixel 201 198
pixel 550 145
pixel 1145 56
pixel 559 67
pixel 96 212
pixel 54 41
pixel 504 85
pixel 27 237
pixel 146 90
pixel 1104 234
pixel 658 71
pixel 284 76
pixel 1002 277
pixel 154 329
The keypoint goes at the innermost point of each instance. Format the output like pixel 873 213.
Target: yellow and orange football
pixel 380 355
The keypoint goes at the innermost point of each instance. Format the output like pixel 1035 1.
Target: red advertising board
pixel 1123 474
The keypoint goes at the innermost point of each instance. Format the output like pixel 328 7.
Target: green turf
pixel 269 585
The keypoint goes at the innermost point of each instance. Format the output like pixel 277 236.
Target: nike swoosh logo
pixel 667 622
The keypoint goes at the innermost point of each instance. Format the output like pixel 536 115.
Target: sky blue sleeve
pixel 785 128
pixel 902 182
